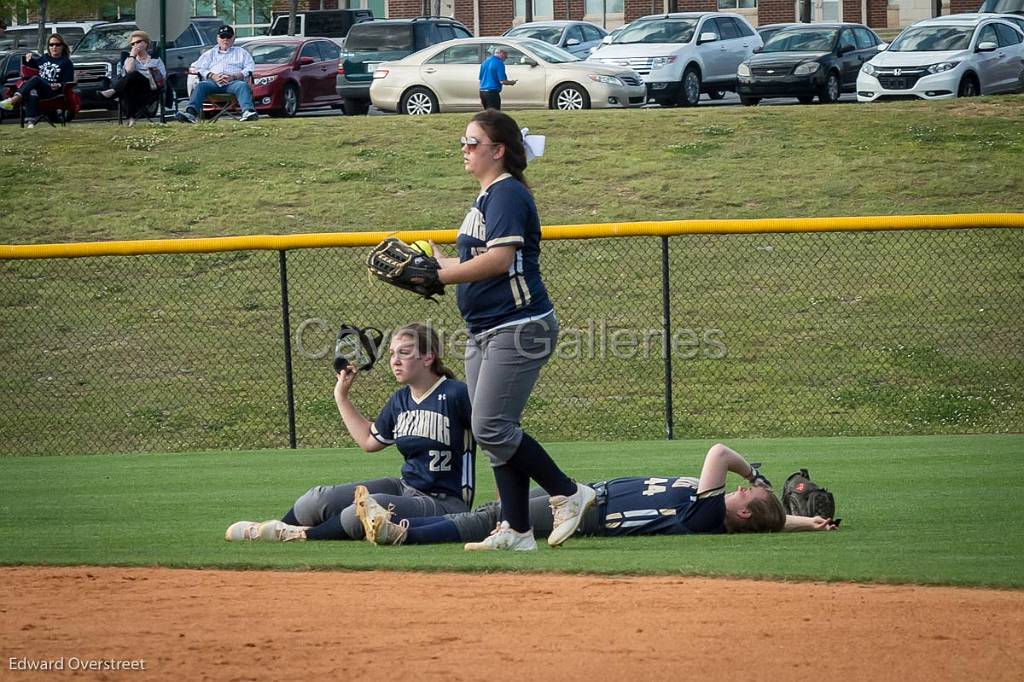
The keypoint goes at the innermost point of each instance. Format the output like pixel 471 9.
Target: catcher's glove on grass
pixel 406 267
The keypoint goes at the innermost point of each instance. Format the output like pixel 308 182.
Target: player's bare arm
pixel 796 524
pixel 358 426
pixel 719 461
pixel 493 263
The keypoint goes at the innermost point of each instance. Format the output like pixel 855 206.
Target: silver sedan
pixel 445 77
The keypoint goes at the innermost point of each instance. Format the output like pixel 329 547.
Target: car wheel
pixel 570 97
pixel 806 100
pixel 418 102
pixel 749 101
pixel 689 91
pixel 355 107
pixel 716 94
pixel 968 86
pixel 291 100
pixel 830 93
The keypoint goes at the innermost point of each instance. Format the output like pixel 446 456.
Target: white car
pixel 684 54
pixel 946 57
pixel 445 77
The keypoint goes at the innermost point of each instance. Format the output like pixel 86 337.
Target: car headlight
pixel 942 66
pixel 264 80
pixel 868 69
pixel 806 69
pixel 662 62
pixel 607 80
pixel 743 70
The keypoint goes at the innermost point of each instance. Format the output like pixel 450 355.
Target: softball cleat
pixel 242 531
pixel 504 537
pixel 568 513
pixel 279 531
pixel 374 517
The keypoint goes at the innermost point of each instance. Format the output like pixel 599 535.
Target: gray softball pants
pixel 321 502
pixel 476 525
pixel 502 367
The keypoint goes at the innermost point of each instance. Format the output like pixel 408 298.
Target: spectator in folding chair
pixel 140 79
pixel 54 77
pixel 224 69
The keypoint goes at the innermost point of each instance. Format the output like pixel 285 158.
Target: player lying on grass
pixel 428 419
pixel 625 506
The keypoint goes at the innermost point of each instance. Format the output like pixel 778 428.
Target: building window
pixel 542 9
pixel 737 4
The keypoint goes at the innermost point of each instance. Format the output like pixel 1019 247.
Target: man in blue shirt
pixel 492 77
pixel 222 69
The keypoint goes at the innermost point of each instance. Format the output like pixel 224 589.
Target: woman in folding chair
pixel 140 78
pixel 54 71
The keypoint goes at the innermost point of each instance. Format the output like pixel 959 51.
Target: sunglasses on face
pixel 473 143
pixel 136 42
pixel 56 44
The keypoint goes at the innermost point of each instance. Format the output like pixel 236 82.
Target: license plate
pixel 898 84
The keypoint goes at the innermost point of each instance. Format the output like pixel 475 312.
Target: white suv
pixel 953 56
pixel 684 54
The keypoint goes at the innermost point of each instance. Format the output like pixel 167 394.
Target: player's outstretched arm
pixel 494 262
pixel 719 461
pixel 796 524
pixel 358 426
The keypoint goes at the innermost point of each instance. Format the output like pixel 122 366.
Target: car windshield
pixel 663 31
pixel 105 39
pixel 549 53
pixel 820 40
pixel 1003 6
pixel 270 53
pixel 933 39
pixel 549 34
pixel 208 29
pixel 380 37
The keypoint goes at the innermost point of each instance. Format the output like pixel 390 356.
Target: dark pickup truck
pixel 100 51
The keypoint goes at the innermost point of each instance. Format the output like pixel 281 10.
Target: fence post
pixel 666 341
pixel 282 259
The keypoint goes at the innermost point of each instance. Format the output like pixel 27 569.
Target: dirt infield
pixel 228 625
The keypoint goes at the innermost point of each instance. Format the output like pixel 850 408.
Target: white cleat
pixel 242 531
pixel 279 531
pixel 568 513
pixel 503 537
pixel 374 517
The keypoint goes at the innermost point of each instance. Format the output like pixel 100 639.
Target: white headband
pixel 534 144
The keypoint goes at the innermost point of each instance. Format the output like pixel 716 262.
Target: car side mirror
pixel 607 40
pixel 306 61
pixel 757 50
pixel 987 46
pixel 846 49
pixel 707 37
pixel 527 62
pixel 572 41
pixel 882 47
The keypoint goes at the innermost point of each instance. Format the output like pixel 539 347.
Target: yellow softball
pixel 423 246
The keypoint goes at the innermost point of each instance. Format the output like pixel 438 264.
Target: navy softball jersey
pixel 504 214
pixel 662 506
pixel 435 437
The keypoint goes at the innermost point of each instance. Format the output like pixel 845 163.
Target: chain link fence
pixel 839 333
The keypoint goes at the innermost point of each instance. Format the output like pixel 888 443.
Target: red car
pixel 294 73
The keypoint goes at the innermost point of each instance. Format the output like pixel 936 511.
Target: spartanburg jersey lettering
pixel 503 215
pixel 434 436
pixel 662 506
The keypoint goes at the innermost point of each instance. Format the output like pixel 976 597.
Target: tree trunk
pixel 44 35
pixel 292 19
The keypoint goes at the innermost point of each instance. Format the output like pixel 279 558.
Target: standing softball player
pixel 513 329
pixel 428 419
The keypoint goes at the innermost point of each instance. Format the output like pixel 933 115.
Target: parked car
pixel 1003 6
pixel 575 37
pixel 807 60
pixel 768 30
pixel 1015 19
pixel 100 51
pixel 27 35
pixel 373 42
pixel 445 78
pixel 325 23
pixel 946 57
pixel 607 40
pixel 10 72
pixel 682 55
pixel 294 73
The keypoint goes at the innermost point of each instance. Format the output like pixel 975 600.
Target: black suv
pixel 100 51
pixel 387 40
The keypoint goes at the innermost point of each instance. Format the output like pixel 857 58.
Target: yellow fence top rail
pixel 664 228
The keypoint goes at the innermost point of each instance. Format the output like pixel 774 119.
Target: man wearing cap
pixel 492 77
pixel 224 69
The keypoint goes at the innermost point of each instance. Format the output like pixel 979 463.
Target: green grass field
pixel 933 510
